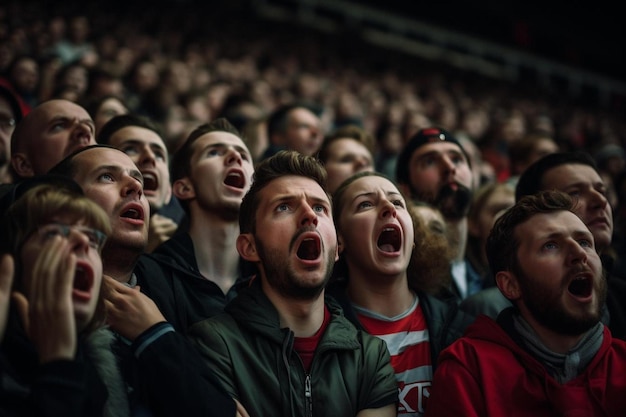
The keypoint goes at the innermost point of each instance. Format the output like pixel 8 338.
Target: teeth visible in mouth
pixel 389 240
pixel 235 179
pixel 131 213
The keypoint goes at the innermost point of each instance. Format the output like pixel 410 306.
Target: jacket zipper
pixel 308 395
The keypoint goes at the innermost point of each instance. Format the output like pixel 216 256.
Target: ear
pixel 22 165
pixel 183 189
pixel 340 245
pixel 508 284
pixel 246 246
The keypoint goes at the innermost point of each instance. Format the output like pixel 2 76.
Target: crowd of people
pixel 216 219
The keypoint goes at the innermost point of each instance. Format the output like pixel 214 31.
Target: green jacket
pixel 255 360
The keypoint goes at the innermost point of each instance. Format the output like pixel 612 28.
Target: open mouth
pixel 235 179
pixel 389 240
pixel 150 182
pixel 82 279
pixel 133 211
pixel 581 286
pixel 309 249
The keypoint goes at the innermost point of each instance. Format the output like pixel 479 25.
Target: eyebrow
pixel 135 173
pixel 90 122
pixel 239 148
pixel 141 143
pixel 372 193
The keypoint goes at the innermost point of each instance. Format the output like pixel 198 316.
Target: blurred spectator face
pixel 439 174
pixel 147 150
pixel 79 29
pixel 7 125
pixel 346 157
pixel 303 133
pixel 49 133
pixel 25 75
pixel 76 80
pixel 585 185
pixel 498 200
pixel 146 77
pixel 109 108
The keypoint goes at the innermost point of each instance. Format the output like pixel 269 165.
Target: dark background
pixel 589 35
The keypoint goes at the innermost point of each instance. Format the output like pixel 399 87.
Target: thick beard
pixel 285 280
pixel 453 204
pixel 547 309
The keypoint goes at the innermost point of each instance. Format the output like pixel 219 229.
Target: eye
pixel 160 155
pixel 586 243
pixel 57 126
pixel 51 231
pixel 215 152
pixel 364 204
pixel 106 177
pixel 550 246
pixel 93 236
pixel 428 161
pixel 457 159
pixel 398 203
pixel 130 150
pixel 282 207
pixel 319 208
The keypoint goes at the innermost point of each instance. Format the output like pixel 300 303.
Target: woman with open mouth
pixel 56 348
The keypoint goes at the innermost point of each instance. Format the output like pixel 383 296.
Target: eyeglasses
pixel 7 124
pixel 49 231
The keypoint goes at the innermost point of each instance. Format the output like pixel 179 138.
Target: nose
pixel 132 186
pixel 361 163
pixel 577 253
pixel 147 157
pixel 598 200
pixel 388 209
pixel 447 164
pixel 309 216
pixel 83 133
pixel 78 240
pixel 233 156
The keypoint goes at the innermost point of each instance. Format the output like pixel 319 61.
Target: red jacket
pixel 486 373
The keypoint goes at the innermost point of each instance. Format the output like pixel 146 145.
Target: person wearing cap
pixel 548 354
pixel 434 168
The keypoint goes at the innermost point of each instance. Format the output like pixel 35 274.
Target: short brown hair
pixel 280 164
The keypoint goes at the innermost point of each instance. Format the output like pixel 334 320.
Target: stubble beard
pixel 548 310
pixel 286 281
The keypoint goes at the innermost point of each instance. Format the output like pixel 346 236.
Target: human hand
pixel 161 229
pixel 129 311
pixel 46 308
